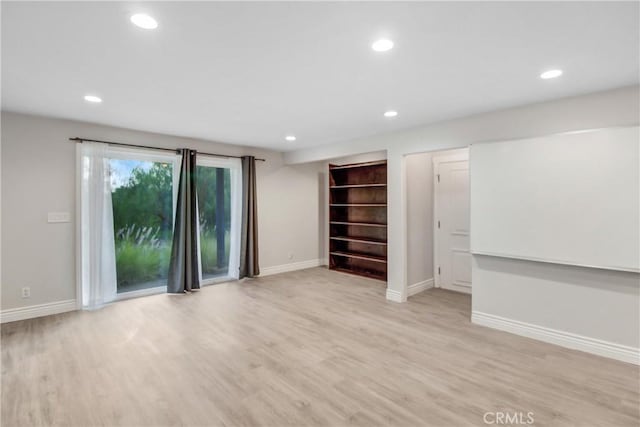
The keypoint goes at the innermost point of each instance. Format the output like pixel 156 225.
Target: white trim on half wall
pixel 564 339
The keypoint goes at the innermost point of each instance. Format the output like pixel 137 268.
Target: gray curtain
pixel 183 265
pixel 249 230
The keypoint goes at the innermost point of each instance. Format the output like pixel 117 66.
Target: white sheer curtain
pixel 236 217
pixel 98 247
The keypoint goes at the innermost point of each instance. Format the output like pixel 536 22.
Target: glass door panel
pixel 142 198
pixel 214 210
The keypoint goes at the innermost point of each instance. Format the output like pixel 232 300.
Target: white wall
pixel 38 176
pixel 571 198
pixel 419 218
pixel 619 107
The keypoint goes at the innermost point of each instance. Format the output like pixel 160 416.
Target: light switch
pixel 58 217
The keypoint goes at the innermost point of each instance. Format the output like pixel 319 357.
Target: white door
pixel 453 260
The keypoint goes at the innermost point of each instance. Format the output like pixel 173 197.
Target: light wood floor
pixel 306 348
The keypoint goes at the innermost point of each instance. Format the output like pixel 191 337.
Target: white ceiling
pixel 251 73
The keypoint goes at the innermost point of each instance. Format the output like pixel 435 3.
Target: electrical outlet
pixel 53 217
pixel 26 292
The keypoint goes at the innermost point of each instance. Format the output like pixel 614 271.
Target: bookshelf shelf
pixel 358 224
pixel 340 187
pixel 364 205
pixel 359 240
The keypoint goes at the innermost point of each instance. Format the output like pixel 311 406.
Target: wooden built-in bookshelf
pixel 358 219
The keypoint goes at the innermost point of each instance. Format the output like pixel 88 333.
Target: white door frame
pixel 437 161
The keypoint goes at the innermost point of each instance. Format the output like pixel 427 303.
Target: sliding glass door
pixel 143 198
pixel 128 203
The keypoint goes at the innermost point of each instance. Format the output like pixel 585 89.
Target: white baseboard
pixel 561 338
pixel 32 311
pixel 277 269
pixel 395 296
pixel 419 287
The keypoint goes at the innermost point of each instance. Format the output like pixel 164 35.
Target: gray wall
pixel 419 170
pixel 38 176
pixel 598 304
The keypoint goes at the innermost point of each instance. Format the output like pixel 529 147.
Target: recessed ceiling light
pixel 390 113
pixel 290 138
pixel 551 74
pixel 143 20
pixel 382 45
pixel 93 98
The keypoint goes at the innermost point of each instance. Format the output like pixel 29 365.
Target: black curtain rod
pixel 121 144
